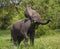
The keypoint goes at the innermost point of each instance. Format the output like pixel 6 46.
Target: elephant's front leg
pixel 26 39
pixel 32 38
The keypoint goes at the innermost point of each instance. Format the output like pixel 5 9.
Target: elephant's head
pixel 34 16
pixel 38 20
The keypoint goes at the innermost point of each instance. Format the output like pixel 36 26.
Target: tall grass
pixel 44 42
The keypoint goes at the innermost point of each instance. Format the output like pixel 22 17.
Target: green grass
pixel 44 42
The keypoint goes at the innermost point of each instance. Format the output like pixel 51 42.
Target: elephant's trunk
pixel 44 23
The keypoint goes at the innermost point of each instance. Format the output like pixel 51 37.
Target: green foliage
pixel 7 13
pixel 44 42
pixel 42 30
pixel 48 9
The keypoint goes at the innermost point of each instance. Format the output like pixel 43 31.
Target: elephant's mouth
pixel 37 21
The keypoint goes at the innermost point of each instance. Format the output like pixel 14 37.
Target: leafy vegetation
pixel 48 9
pixel 51 41
pixel 47 36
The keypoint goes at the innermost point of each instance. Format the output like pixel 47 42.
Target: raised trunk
pixel 44 23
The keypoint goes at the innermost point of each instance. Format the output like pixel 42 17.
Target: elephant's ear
pixel 31 14
pixel 28 12
pixel 35 16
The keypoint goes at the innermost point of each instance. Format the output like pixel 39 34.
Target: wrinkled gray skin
pixel 22 28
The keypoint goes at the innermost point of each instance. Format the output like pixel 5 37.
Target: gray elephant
pixel 22 28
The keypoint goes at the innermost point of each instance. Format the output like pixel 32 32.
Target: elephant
pixel 23 28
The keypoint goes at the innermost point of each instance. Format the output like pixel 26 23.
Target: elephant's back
pixel 21 25
pixel 18 24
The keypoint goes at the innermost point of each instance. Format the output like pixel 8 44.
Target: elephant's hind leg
pixel 26 38
pixel 20 38
pixel 14 37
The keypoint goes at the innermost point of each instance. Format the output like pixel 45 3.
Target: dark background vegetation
pixel 49 35
pixel 48 9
